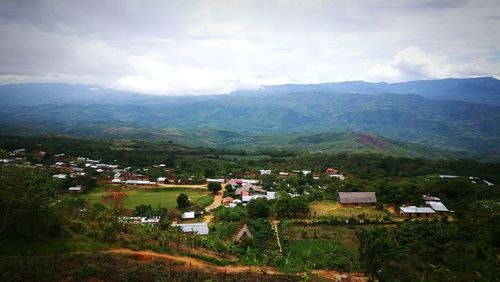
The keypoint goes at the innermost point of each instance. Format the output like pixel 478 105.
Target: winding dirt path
pixel 275 224
pixel 217 199
pixel 208 267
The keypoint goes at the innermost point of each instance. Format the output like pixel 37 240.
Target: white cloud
pixel 412 63
pixel 206 47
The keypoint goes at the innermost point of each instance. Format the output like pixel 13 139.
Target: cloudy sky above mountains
pixel 206 47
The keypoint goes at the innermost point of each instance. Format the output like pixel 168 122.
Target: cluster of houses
pixel 139 219
pixel 247 191
pixel 332 172
pixel 68 166
pixel 199 228
pixel 434 207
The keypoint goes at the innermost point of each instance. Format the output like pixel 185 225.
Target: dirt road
pixel 197 186
pixel 208 267
pixel 217 200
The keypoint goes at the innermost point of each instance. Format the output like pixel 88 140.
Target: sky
pixel 212 47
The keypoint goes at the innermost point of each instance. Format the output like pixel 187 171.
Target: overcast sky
pixel 206 47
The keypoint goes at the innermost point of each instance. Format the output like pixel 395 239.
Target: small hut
pixel 244 232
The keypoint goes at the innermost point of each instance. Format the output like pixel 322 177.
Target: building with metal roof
pixel 355 198
pixel 437 206
pixel 195 228
pixel 413 211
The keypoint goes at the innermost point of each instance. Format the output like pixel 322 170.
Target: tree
pixel 258 208
pixel 27 203
pixel 286 205
pixel 182 201
pixel 375 248
pixel 214 187
pixel 230 188
pixel 115 200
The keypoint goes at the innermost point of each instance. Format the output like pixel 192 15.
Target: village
pixel 229 192
pixel 312 214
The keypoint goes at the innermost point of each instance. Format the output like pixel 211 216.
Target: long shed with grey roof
pixel 357 198
pixel 413 211
pixel 195 228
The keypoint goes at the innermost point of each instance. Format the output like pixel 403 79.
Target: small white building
pixel 60 176
pixel 188 215
pixel 445 176
pixel 488 183
pixel 217 180
pixel 18 151
pixel 75 189
pixel 150 219
pixel 138 182
pixel 195 228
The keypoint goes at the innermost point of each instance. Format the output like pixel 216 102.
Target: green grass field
pixel 332 208
pixel 324 254
pixel 165 198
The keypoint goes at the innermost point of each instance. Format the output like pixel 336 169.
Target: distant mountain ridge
pixel 483 90
pixel 306 110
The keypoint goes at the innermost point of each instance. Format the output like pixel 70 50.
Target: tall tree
pixel 214 187
pixel 258 208
pixel 375 248
pixel 182 201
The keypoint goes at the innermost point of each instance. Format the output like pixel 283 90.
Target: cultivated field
pixel 324 247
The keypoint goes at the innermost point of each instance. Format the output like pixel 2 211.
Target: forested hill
pixel 310 110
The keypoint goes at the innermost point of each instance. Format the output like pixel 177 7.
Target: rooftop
pixel 414 209
pixel 357 197
pixel 437 206
pixel 198 228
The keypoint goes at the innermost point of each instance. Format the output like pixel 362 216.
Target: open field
pixel 332 208
pixel 164 198
pixel 325 254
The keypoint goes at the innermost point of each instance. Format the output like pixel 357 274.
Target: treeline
pixel 192 160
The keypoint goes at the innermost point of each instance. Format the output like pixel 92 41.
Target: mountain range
pixel 449 115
